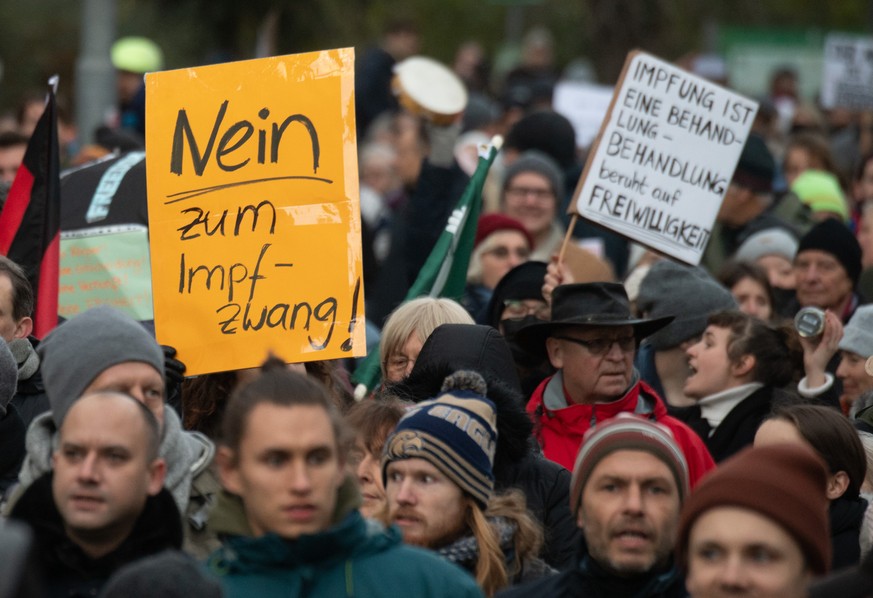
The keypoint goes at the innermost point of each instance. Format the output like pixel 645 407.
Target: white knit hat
pixel 858 334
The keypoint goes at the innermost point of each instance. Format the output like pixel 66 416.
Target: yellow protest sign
pixel 254 212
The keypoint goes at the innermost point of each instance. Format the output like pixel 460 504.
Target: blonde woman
pixel 408 327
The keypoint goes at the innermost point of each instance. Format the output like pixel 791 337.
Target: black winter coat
pixel 66 570
pixel 586 579
pixel 738 429
pixel 846 517
pixel 546 486
pixel 12 433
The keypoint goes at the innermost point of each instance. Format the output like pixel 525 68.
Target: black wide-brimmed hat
pixel 589 304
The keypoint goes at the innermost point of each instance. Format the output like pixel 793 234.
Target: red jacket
pixel 560 432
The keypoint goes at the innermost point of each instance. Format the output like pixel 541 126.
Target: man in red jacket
pixel 591 340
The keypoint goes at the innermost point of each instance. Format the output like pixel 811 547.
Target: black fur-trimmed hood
pixel 454 347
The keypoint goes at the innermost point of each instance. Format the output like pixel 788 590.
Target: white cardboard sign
pixel 847 79
pixel 584 105
pixel 665 156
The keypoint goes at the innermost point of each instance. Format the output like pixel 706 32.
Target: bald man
pixel 103 505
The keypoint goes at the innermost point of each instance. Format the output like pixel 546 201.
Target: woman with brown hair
pixel 738 370
pixel 371 421
pixel 832 436
pixel 807 151
pixel 749 285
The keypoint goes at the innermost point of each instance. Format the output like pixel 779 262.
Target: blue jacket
pixel 355 557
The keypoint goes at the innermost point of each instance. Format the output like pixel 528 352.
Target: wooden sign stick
pixel 567 236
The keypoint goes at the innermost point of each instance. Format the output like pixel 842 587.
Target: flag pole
pixel 30 218
pixel 445 271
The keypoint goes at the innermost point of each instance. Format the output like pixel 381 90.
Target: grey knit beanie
pixel 538 162
pixel 770 241
pixel 79 350
pixel 858 334
pixel 8 377
pixel 689 293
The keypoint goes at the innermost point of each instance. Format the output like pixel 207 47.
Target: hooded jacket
pixel 354 557
pixel 67 570
pixel 518 462
pixel 561 424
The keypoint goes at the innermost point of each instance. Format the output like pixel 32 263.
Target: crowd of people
pixel 609 423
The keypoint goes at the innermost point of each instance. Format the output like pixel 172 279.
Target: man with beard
pixel 437 467
pixel 628 486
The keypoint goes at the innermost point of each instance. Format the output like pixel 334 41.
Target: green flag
pixel 445 272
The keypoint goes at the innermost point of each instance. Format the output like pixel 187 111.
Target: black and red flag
pixel 31 216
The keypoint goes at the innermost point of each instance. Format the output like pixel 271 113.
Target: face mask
pixel 521 354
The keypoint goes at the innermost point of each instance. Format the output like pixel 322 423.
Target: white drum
pixel 429 89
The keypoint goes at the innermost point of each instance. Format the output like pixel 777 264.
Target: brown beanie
pixel 786 483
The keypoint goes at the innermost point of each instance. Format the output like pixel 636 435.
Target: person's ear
pixel 556 352
pixel 744 366
pixel 23 328
pixel 228 470
pixel 580 518
pixel 838 483
pixel 157 474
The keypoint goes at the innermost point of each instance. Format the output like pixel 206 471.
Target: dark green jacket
pixel 355 557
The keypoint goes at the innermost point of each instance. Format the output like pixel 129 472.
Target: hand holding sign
pixel 665 156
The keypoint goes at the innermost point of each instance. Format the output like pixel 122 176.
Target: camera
pixel 809 322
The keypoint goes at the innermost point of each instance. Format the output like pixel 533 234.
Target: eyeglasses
pixel 502 252
pixel 358 453
pixel 398 363
pixel 355 456
pixel 517 308
pixel 601 346
pixel 521 192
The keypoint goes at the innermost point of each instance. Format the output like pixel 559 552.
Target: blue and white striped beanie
pixel 456 432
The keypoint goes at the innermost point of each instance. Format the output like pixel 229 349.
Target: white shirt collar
pixel 715 408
